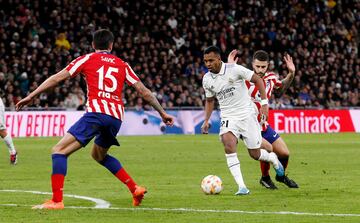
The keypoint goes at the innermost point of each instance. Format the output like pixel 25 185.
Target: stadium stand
pixel 163 41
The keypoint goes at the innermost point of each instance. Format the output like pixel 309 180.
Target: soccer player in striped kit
pixel 105 75
pixel 260 64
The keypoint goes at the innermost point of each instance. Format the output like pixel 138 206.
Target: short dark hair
pixel 102 39
pixel 213 49
pixel 261 55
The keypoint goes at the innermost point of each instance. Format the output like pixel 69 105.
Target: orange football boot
pixel 138 195
pixel 50 204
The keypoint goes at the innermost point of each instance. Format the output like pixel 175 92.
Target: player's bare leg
pixel 100 155
pixel 282 151
pixel 230 141
pixel 60 152
pixel 263 155
pixel 266 145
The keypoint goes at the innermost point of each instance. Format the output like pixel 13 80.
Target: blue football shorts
pixel 103 127
pixel 270 135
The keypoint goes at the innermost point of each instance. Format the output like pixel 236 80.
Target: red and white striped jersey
pixel 105 75
pixel 271 82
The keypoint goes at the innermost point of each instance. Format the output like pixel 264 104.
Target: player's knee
pixel 267 146
pixel 255 156
pixel 57 149
pixel 254 153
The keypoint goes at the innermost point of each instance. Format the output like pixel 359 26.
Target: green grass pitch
pixel 326 166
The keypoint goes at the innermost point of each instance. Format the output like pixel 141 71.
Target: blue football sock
pixel 111 163
pixel 59 164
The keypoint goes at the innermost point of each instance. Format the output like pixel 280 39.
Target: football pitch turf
pixel 326 167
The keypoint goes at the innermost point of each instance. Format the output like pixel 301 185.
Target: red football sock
pixel 124 177
pixel 265 167
pixel 57 183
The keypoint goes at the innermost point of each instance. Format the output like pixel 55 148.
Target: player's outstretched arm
pixel 286 82
pixel 47 84
pixel 209 107
pixel 147 95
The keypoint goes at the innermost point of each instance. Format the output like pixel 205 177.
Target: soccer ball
pixel 211 184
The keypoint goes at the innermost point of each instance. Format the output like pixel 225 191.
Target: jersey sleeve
pixel 130 77
pixel 208 92
pixel 274 80
pixel 76 66
pixel 243 72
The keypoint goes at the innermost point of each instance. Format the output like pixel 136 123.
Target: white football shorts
pixel 249 130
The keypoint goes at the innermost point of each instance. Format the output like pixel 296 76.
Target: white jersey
pixel 229 87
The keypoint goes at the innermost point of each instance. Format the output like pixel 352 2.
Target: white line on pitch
pixel 205 211
pixel 99 203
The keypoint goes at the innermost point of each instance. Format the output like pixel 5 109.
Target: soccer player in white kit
pixel 260 65
pixel 7 137
pixel 238 113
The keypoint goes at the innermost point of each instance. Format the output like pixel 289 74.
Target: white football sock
pixel 234 167
pixel 9 143
pixel 269 157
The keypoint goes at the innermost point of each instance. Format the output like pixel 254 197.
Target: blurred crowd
pixel 163 41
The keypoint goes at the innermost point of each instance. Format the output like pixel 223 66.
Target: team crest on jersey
pixel 212 87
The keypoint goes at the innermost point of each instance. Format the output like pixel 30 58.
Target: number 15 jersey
pixel 104 75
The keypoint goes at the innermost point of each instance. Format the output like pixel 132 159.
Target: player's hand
pixel 167 119
pixel 264 113
pixel 22 103
pixel 205 127
pixel 289 63
pixel 232 58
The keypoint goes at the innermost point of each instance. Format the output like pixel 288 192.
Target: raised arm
pixel 286 82
pixel 209 107
pixel 147 95
pixel 47 84
pixel 232 57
